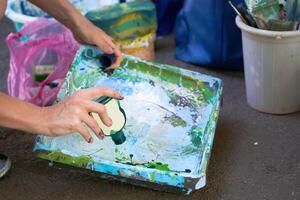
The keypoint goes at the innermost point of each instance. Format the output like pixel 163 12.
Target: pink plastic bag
pixel 40 56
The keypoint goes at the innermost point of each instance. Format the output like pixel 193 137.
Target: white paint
pixel 201 183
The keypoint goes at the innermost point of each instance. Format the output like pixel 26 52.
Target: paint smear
pixel 171 118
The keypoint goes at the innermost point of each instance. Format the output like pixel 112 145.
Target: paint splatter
pixel 171 117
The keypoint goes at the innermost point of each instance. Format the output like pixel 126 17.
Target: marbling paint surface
pixel 171 117
pixel 132 25
pixel 84 6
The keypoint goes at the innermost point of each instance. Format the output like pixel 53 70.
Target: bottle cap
pixel 106 60
pixel 118 137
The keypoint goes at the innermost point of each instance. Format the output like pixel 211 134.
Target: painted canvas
pixel 132 25
pixel 171 119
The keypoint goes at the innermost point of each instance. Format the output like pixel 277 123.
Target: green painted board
pixel 171 119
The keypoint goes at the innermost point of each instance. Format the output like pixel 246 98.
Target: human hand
pixel 87 33
pixel 72 114
pixel 2 7
pixel 83 30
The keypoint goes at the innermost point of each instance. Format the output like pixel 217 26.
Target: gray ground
pixel 238 169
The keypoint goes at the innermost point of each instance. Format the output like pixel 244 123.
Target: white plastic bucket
pixel 16 16
pixel 272 69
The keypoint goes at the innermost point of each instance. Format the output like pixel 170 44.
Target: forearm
pixel 83 30
pixel 20 115
pixel 63 11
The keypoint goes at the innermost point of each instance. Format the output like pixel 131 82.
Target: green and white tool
pixel 117 114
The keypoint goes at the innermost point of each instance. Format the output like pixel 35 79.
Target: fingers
pixel 117 53
pixel 106 44
pixel 118 59
pixel 100 110
pixel 95 92
pixel 82 105
pixel 105 47
pixel 89 121
pixel 103 42
pixel 110 42
pixel 84 132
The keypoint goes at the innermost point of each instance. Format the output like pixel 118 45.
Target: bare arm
pixel 17 114
pixel 3 4
pixel 83 30
pixel 68 116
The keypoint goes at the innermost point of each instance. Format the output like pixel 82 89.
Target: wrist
pixel 39 122
pixel 22 115
pixel 76 22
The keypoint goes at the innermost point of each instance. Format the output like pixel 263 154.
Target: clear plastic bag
pixel 40 55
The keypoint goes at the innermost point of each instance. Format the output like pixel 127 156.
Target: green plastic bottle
pixel 117 114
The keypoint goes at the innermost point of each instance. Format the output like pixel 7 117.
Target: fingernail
pixel 100 135
pixel 109 71
pixel 90 140
pixel 120 96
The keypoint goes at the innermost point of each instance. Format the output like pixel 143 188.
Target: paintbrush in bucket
pixel 242 12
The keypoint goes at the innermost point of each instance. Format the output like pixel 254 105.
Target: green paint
pixel 121 159
pixel 196 136
pixel 152 165
pixel 130 29
pixel 119 10
pixel 83 80
pixel 171 75
pixel 176 121
pixel 182 98
pixel 57 156
pixel 181 101
pixel 126 21
pixel 158 165
pixel 152 177
pixel 40 77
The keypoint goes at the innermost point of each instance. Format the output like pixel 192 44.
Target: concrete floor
pixel 238 169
